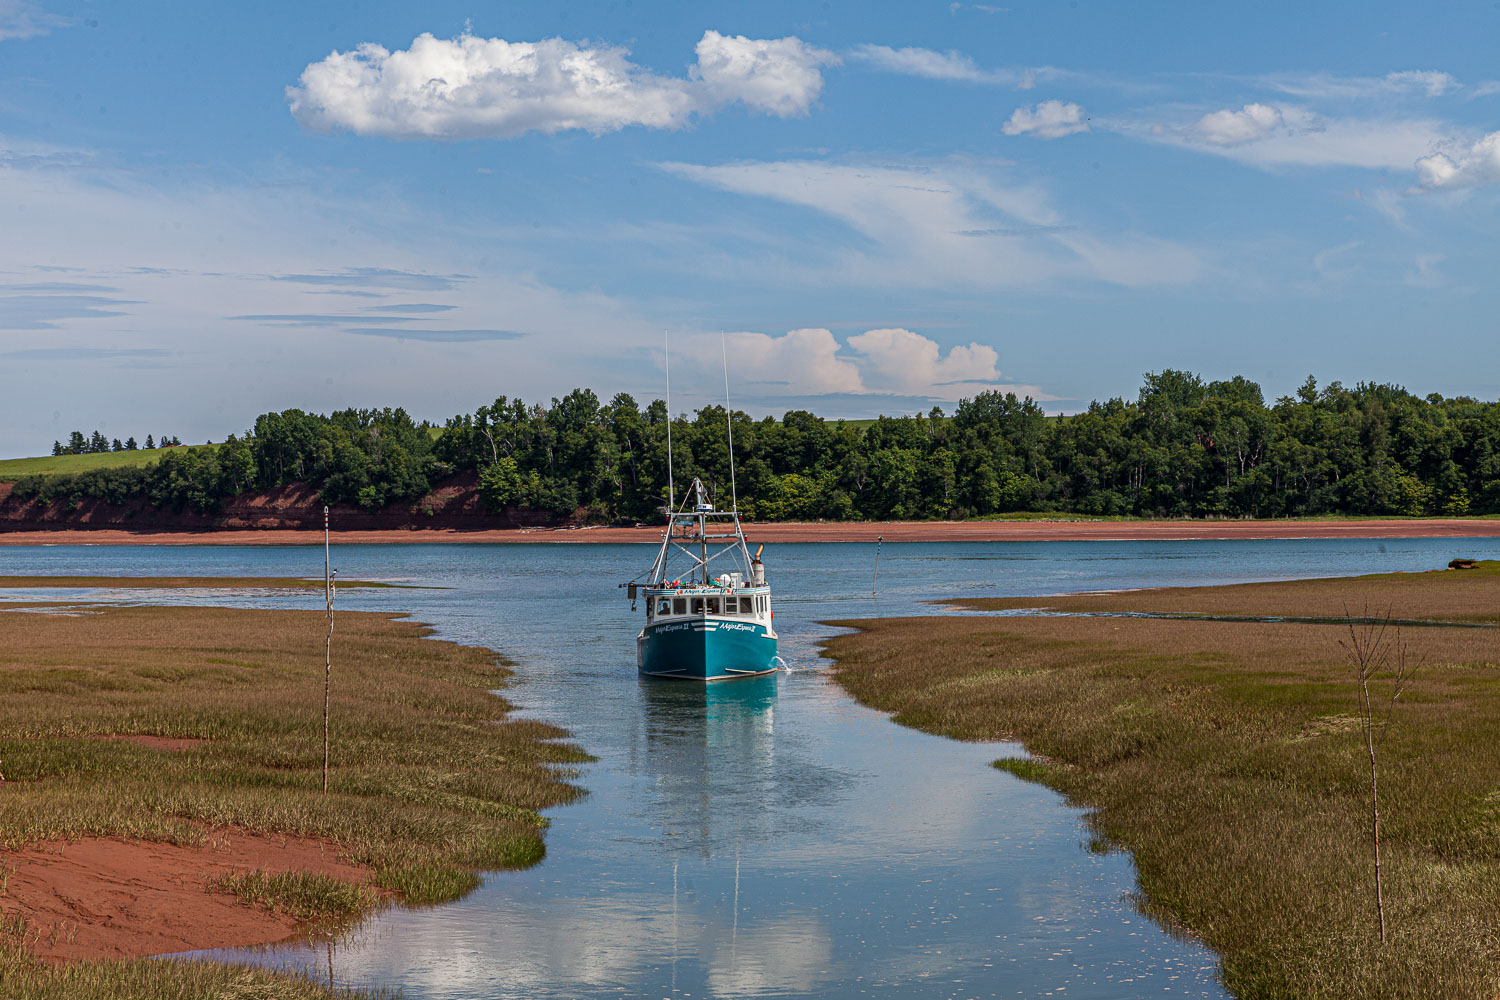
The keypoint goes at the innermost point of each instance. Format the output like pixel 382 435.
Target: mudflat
pixel 863 531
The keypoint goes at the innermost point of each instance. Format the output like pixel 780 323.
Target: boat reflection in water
pixel 711 749
pixel 712 752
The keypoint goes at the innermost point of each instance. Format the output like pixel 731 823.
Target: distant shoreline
pixel 891 531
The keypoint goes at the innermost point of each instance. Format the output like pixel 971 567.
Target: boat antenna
pixel 666 347
pixel 734 493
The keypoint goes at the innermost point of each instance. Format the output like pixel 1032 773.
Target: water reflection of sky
pixel 760 838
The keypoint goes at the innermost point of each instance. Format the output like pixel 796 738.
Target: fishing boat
pixel 708 606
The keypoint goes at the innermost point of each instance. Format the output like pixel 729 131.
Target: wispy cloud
pixel 27 19
pixel 57 286
pixel 1267 136
pixel 45 312
pixel 931 64
pixel 470 87
pixel 379 277
pixel 1426 83
pixel 954 66
pixel 411 307
pixel 1424 272
pixel 85 354
pixel 444 336
pixel 917 224
pixel 316 319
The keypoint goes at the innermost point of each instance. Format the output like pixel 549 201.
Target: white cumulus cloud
pixel 797 363
pixel 1230 128
pixel 1048 120
pixel 813 362
pixel 780 76
pixel 1479 164
pixel 898 360
pixel 470 87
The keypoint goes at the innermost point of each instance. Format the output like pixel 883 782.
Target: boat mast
pixel 734 493
pixel 700 502
pixel 666 347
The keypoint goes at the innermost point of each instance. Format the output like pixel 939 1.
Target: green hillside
pixel 12 468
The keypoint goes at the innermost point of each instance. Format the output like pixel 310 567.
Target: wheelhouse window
pixel 713 605
pixel 697 605
pixel 731 605
pixel 679 605
pixel 664 606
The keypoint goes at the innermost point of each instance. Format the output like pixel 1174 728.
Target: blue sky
pixel 212 211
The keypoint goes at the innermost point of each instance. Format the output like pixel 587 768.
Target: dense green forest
pixel 1184 447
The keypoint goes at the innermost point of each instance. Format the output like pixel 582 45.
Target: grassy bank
pixel 1226 757
pixel 180 582
pixel 14 468
pixel 429 782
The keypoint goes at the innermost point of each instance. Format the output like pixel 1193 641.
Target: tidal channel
pixel 761 838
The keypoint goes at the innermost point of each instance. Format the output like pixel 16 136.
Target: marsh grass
pixel 23 977
pixel 1222 756
pixel 309 897
pixel 183 582
pixel 430 780
pixel 1461 595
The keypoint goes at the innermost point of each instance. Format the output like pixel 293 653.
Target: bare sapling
pixel 1378 657
pixel 328 584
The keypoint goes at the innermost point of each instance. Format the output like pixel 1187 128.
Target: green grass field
pixel 1226 757
pixel 13 468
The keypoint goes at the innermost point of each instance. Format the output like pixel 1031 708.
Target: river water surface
pixel 762 838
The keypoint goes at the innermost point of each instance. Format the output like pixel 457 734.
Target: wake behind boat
pixel 708 606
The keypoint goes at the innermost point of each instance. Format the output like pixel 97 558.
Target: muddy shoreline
pixel 898 531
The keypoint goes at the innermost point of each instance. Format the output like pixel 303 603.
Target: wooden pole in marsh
pixel 876 579
pixel 327 645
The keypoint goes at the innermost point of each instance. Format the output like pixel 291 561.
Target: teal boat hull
pixel 706 650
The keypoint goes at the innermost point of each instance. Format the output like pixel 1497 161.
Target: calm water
pixel 761 838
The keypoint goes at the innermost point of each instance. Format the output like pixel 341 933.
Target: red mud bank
pixel 901 531
pixel 454 505
pixel 109 898
pixel 453 512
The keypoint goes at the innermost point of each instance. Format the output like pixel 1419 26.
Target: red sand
pixel 108 898
pixel 900 531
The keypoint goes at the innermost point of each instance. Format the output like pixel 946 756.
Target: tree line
pixel 97 443
pixel 1183 447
